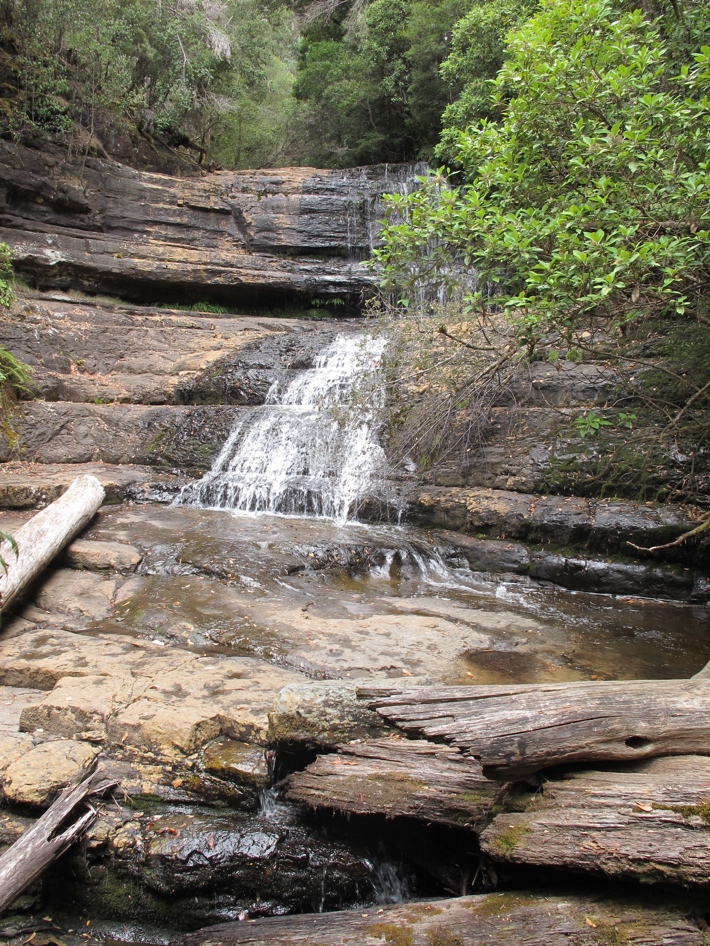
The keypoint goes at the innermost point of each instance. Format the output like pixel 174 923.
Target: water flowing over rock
pixel 312 448
pixel 233 236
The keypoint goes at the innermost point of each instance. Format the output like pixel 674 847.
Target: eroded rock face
pixel 231 235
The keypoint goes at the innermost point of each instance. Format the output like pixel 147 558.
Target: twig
pixel 703 527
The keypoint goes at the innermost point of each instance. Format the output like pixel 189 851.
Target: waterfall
pixel 311 449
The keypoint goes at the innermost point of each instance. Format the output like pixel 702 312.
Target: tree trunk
pixel 516 919
pixel 46 534
pixel 518 729
pixel 49 838
pixel 651 824
pixel 398 778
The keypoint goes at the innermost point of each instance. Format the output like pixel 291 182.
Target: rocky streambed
pixel 196 656
pixel 201 658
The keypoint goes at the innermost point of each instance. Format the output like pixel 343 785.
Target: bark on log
pixel 518 729
pixel 651 824
pixel 517 919
pixel 50 836
pixel 398 778
pixel 46 534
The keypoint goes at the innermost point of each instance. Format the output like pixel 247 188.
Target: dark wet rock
pixel 190 867
pixel 488 555
pixel 230 235
pixel 609 577
pixel 246 376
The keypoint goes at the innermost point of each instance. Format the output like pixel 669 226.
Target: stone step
pixel 103 353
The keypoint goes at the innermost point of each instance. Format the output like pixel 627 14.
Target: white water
pixel 311 449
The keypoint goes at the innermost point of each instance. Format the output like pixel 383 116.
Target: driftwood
pixel 651 824
pixel 51 835
pixel 515 919
pixel 518 729
pixel 46 534
pixel 398 778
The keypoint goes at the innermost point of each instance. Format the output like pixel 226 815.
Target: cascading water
pixel 310 450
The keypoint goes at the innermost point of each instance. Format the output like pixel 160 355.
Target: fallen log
pixel 515 730
pixel 46 534
pixel 51 835
pixel 651 824
pixel 517 919
pixel 398 778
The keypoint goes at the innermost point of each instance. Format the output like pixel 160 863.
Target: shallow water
pixel 379 601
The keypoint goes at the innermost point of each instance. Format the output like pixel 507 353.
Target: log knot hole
pixel 638 742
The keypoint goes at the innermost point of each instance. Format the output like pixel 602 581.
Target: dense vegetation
pixel 581 231
pixel 244 83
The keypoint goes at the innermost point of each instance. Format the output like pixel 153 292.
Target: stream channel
pixel 263 557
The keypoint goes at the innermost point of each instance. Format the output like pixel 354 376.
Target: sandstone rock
pixel 67 591
pixel 30 486
pixel 237 762
pixel 165 703
pixel 187 438
pixel 322 716
pixel 87 351
pixel 229 235
pixel 100 556
pixel 36 777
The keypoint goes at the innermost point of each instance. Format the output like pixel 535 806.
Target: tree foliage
pixel 211 75
pixel 585 212
pixel 369 79
pixel 591 197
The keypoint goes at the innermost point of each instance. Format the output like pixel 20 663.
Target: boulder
pixel 36 777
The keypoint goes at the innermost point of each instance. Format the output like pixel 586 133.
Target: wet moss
pixel 393 935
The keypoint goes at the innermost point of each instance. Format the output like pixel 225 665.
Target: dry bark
pixel 518 729
pixel 651 824
pixel 526 919
pixel 46 534
pixel 398 778
pixel 51 835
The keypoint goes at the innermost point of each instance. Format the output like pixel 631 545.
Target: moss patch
pixel 393 935
pixel 504 843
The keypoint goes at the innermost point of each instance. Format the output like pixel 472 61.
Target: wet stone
pixel 102 556
pixel 237 762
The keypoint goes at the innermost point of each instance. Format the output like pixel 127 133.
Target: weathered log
pixel 651 824
pixel 51 835
pixel 46 534
pixel 518 729
pixel 518 919
pixel 398 778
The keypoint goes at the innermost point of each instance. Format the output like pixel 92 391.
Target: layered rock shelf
pixel 233 236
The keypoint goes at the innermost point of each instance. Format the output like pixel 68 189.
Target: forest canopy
pixel 242 83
